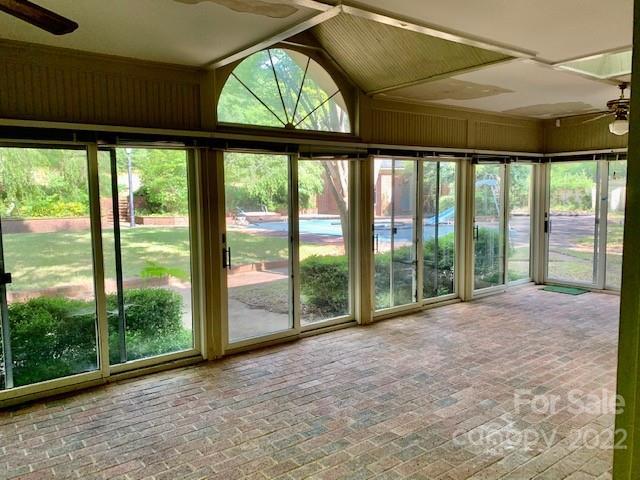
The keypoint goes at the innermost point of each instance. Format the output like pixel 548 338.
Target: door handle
pixel 6 279
pixel 226 258
pixel 476 232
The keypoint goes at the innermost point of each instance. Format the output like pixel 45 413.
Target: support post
pixel 626 464
pixel 364 284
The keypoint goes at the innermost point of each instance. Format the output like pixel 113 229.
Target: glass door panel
pixel 49 308
pixel 258 241
pixel 519 222
pixel 144 203
pixel 615 222
pixel 572 227
pixel 403 253
pixel 489 226
pixel 382 238
pixel 438 227
pixel 395 232
pixel 323 191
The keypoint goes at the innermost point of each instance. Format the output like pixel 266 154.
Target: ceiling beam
pixel 278 37
pixel 313 4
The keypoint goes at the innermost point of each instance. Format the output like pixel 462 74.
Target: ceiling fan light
pixel 619 126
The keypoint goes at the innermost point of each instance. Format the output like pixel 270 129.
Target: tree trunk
pixel 338 173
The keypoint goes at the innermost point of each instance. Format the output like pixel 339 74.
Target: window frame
pixel 104 371
pixel 342 84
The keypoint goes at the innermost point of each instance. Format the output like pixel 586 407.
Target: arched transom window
pixel 283 88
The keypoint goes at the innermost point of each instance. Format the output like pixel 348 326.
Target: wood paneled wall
pixel 39 83
pixel 573 134
pixel 399 123
pixel 51 84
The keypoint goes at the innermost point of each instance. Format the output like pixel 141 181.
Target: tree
pixel 288 95
pixel 41 182
pixel 337 172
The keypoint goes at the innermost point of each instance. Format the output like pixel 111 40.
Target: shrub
pixel 324 284
pixel 324 279
pixel 149 311
pixel 488 265
pixel 57 208
pixel 50 338
pixel 53 337
pixel 154 323
pixel 439 275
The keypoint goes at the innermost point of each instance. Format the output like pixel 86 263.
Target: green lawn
pixel 41 260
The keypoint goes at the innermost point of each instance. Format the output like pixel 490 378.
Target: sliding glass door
pixel 324 222
pixel 572 222
pixel 146 239
pixel 414 235
pixel 489 226
pixel 616 201
pixel 439 228
pixel 48 296
pixel 519 208
pixel 502 224
pixel 395 236
pixel 585 221
pixel 258 245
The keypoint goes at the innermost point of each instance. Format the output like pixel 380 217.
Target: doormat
pixel 566 290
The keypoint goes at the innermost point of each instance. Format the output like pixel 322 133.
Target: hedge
pixel 53 337
pixel 324 280
pixel 324 284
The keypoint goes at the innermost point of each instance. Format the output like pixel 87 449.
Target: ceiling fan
pixel 619 110
pixel 38 16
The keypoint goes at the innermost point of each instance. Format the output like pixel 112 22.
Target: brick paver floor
pixel 462 391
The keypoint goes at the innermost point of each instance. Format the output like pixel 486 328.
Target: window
pixel 573 227
pixel 258 244
pixel 585 222
pixel 49 308
pixel 395 232
pixel 286 89
pixel 144 200
pixel 324 225
pixel 438 226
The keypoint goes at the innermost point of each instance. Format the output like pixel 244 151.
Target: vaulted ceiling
pixel 495 55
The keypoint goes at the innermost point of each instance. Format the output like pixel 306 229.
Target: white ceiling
pixel 196 32
pixel 160 30
pixel 519 87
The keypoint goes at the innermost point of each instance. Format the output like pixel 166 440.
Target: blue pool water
pixel 330 227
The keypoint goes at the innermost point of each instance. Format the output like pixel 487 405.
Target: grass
pixel 42 260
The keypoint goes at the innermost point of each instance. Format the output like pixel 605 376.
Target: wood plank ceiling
pixel 378 56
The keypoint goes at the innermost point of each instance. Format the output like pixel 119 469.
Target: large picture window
pixel 283 88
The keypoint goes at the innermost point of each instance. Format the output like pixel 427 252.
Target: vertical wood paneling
pixel 416 129
pixel 507 136
pixel 574 135
pixel 54 85
pixel 406 124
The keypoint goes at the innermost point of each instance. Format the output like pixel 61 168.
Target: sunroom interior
pixel 219 202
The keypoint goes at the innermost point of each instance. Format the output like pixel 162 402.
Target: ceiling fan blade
pixel 38 16
pixel 598 117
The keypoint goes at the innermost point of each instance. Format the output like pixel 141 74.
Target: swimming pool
pixel 330 227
